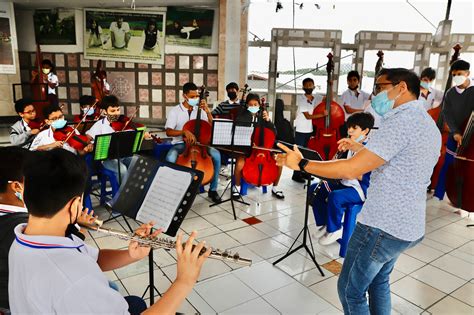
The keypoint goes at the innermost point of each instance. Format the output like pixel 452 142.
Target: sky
pixel 352 16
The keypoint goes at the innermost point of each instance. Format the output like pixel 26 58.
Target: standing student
pixel 177 117
pixel 21 134
pixel 224 109
pixel 304 118
pixel 430 96
pixel 458 106
pixel 353 98
pixel 401 156
pixel 49 77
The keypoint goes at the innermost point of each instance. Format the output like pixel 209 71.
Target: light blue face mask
pixel 58 124
pixel 253 109
pixel 88 112
pixel 18 195
pixel 381 103
pixel 193 101
pixel 425 85
pixel 360 138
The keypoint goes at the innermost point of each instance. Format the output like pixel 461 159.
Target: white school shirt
pixel 101 127
pixel 354 183
pixel 350 98
pixel 178 116
pixel 302 124
pixel 433 100
pixel 52 78
pixel 46 137
pixel 8 209
pixel 119 33
pixel 58 275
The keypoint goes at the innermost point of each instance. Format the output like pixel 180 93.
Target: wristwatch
pixel 302 164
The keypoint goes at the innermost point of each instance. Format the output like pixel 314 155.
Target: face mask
pixel 58 124
pixel 112 118
pixel 232 95
pixel 381 103
pixel 360 138
pixel 459 80
pixel 88 112
pixel 18 195
pixel 253 109
pixel 425 85
pixel 193 101
pixel 308 91
pixel 46 71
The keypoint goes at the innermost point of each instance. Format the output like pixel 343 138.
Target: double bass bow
pixel 195 155
pixel 327 131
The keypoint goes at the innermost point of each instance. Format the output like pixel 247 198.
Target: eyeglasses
pixel 378 86
pixel 30 112
pixel 57 118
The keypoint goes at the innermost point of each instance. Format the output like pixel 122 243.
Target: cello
pixel 327 132
pixel 39 91
pixel 435 113
pixel 260 168
pixel 460 175
pixel 196 155
pixel 234 112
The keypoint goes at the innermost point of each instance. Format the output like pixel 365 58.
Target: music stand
pixel 149 189
pixel 313 155
pixel 224 136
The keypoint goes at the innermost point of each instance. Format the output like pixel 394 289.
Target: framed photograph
pixel 55 27
pixel 136 36
pixel 7 39
pixel 189 27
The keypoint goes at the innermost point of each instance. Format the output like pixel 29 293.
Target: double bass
pixel 327 131
pixel 39 91
pixel 196 155
pixel 98 83
pixel 260 168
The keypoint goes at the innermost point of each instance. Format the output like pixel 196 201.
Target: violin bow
pixel 80 122
pixel 131 117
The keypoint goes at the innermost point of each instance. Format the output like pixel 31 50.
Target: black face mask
pixel 308 91
pixel 232 95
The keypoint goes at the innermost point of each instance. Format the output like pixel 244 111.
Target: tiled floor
pixel 434 277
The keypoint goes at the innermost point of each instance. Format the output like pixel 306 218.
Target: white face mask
pixel 459 80
pixel 46 71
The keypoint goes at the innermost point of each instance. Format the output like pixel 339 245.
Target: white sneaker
pixel 320 231
pixel 330 238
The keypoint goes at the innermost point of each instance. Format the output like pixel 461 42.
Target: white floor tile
pixel 220 241
pixel 308 278
pixel 396 275
pixel 208 232
pixel 455 266
pixel 450 306
pixel 438 223
pixel 465 294
pixel 133 269
pixel 195 224
pixel 285 224
pixel 285 240
pixel 233 225
pixel 163 257
pixel 267 248
pixel 136 285
pixel 200 304
pixel 327 289
pixel 247 235
pixel 246 253
pixel 267 229
pixel 402 306
pixel 295 264
pixel 256 307
pixel 458 230
pixel 463 255
pixel 407 264
pixel 416 292
pixel 424 253
pixel 436 245
pixel 225 292
pixel 438 279
pixel 468 248
pixel 219 218
pixel 447 238
pixel 296 299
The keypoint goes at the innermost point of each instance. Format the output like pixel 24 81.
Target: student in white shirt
pixel 430 96
pixel 45 140
pixel 51 273
pixel 50 78
pixel 304 118
pixel 120 33
pixel 353 98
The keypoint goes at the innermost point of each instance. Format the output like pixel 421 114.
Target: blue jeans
pixel 371 255
pixel 178 148
pixel 329 206
pixel 440 190
pixel 111 165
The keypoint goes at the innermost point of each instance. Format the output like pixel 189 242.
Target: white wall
pixel 232 42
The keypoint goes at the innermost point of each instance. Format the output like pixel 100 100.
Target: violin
pixel 68 135
pixel 37 124
pixel 260 168
pixel 327 131
pixel 196 155
pixel 125 123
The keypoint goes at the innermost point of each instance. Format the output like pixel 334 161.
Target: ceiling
pixel 125 4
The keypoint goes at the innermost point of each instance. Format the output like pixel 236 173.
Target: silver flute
pixel 162 242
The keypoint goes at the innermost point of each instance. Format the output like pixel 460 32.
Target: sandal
pixel 279 194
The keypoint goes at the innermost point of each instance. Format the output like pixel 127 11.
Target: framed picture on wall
pixel 7 39
pixel 189 27
pixel 136 36
pixel 55 27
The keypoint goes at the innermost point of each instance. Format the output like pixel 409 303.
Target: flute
pixel 167 244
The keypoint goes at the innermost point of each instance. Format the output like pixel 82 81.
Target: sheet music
pixel 243 136
pixel 164 197
pixel 222 133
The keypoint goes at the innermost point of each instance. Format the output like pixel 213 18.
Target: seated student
pixel 177 118
pixel 21 134
pixel 86 102
pixel 332 199
pixel 430 96
pixel 250 115
pixel 51 273
pixel 45 140
pixel 353 98
pixel 224 109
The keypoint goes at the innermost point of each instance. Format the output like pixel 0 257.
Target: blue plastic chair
pixel 348 226
pixel 244 187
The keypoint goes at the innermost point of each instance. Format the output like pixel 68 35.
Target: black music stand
pixel 224 136
pixel 141 186
pixel 311 155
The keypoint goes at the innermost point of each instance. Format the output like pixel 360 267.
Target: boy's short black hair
pixel 50 109
pixel 190 86
pixel 429 73
pixel 86 100
pixel 460 65
pixel 252 96
pixel 11 165
pixel 232 85
pixel 362 119
pixel 47 62
pixel 22 103
pixel 52 179
pixel 353 74
pixel 308 80
pixel 109 101
pixel 396 75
